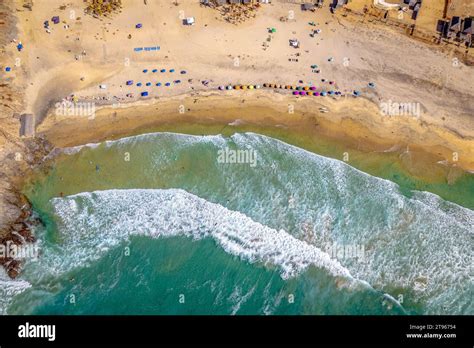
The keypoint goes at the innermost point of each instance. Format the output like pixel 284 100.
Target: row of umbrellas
pixel 183 72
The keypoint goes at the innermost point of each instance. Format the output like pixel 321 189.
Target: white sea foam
pixel 9 289
pixel 91 223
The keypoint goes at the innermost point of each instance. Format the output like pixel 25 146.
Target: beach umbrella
pixel 144 94
pixel 316 94
pixel 159 84
pixel 310 93
pixel 163 70
pixel 331 92
pixel 139 84
pixel 331 82
pixel 313 88
pixel 145 71
pixel 139 25
pixel 295 93
pixel 154 70
pixel 148 83
pixel 244 87
pixel 302 93
pixel 265 85
pixel 129 82
pixel 299 88
pixel 357 93
pixel 183 72
pixel 323 94
pixel 177 81
pixel 167 84
pixel 371 85
pixel 229 88
pixel 306 88
pixel 221 88
pixel 172 70
pixel 314 66
pixel 258 86
pixel 251 87
pixel 7 69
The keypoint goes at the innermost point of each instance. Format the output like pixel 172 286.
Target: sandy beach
pixel 73 58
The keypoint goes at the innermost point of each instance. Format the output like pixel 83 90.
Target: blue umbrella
pixel 148 83
pixel 159 84
pixel 163 70
pixel 171 70
pixel 167 84
pixel 183 72
pixel 139 84
pixel 177 81
pixel 145 71
pixel 154 70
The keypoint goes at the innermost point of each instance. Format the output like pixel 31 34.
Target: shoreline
pixel 355 122
pixel 332 134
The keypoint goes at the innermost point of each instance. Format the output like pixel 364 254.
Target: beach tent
pixel 144 94
pixel 190 21
pixel 129 82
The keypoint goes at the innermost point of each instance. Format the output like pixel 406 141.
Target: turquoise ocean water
pixel 156 224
